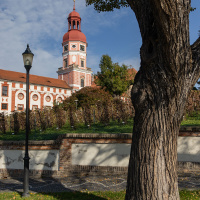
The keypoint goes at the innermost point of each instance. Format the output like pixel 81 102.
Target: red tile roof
pixel 132 72
pixel 33 79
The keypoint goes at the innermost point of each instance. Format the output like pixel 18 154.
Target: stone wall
pixel 83 154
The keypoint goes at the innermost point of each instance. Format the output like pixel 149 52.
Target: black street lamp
pixel 28 59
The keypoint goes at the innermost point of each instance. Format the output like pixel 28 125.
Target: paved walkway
pixel 189 181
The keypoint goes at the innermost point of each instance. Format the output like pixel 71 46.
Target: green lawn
pixel 66 196
pixel 184 195
pixel 190 122
pixel 53 133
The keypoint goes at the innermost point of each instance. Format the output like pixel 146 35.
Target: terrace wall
pixel 83 154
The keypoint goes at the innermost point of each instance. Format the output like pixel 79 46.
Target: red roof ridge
pixel 34 79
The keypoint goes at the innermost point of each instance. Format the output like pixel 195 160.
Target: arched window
pixel 82 82
pixel 78 25
pixel 74 25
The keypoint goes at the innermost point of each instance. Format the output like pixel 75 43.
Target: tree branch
pixel 195 60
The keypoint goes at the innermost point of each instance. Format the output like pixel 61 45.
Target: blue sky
pixel 42 24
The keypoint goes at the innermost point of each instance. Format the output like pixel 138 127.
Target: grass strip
pixel 54 132
pixel 107 195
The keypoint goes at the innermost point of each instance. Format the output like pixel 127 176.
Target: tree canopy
pixel 105 5
pixel 113 77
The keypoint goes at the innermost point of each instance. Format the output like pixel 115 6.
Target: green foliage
pixel 192 9
pixel 86 101
pixel 2 123
pixel 114 78
pixel 87 96
pixel 16 122
pixel 105 5
pixel 121 114
pixel 42 119
pixel 59 114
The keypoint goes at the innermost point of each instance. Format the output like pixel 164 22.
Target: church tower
pixel 74 70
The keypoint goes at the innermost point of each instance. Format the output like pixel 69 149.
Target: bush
pixel 2 123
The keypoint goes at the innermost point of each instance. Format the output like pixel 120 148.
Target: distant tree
pixel 87 98
pixel 113 77
pixel 170 67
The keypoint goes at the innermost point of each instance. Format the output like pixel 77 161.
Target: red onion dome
pixel 74 35
pixel 74 14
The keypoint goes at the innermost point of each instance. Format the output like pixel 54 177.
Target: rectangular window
pixel 66 63
pixel 82 63
pixel 4 106
pixel 82 47
pixel 82 82
pixel 66 48
pixel 5 91
pixel 35 107
pixel 20 107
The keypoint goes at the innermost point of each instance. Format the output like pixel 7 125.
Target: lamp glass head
pixel 28 56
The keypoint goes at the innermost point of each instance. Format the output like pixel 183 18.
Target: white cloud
pixel 46 64
pixel 42 25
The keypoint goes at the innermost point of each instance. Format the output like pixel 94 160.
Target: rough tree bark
pixel 169 68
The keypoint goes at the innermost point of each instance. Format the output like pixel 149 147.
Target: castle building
pixel 44 91
pixel 74 70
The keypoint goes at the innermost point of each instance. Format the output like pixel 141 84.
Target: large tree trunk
pixel 169 68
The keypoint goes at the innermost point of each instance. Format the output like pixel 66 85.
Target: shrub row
pixel 87 106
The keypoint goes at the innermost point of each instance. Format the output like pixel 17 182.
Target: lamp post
pixel 28 59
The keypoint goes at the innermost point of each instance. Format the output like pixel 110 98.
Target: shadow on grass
pixel 65 196
pixel 39 189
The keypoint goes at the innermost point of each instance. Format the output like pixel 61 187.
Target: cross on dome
pixel 74 5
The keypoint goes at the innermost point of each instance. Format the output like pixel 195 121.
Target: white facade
pixel 40 96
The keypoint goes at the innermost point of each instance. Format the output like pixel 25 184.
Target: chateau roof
pixel 33 79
